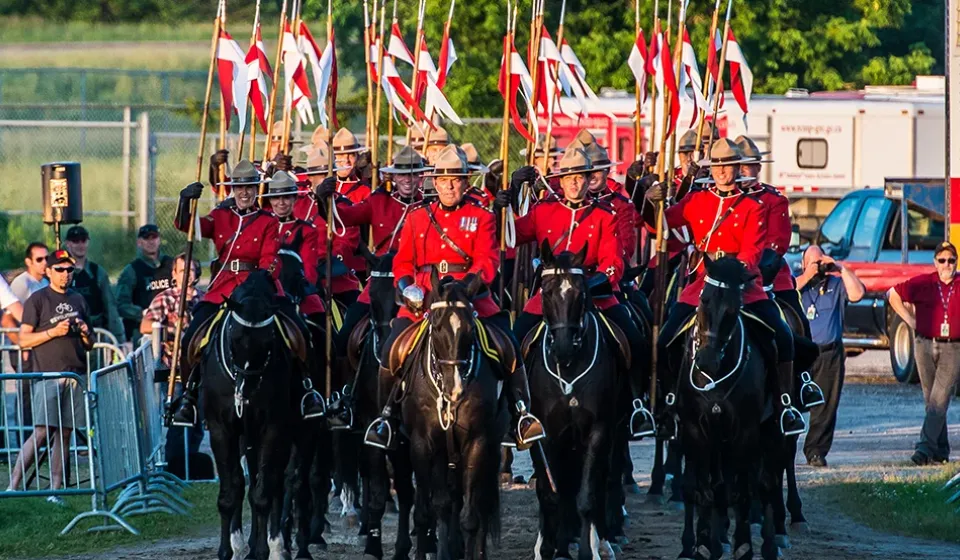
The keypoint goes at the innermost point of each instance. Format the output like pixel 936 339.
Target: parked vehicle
pixel 866 230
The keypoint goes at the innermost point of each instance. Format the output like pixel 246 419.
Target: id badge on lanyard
pixel 945 329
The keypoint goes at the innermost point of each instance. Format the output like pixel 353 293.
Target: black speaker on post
pixel 62 193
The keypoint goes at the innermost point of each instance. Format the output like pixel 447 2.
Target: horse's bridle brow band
pixel 248 324
pixel 376 274
pixel 716 283
pixel 443 304
pixel 555 271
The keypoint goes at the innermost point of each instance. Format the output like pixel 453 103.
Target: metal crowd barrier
pixel 119 437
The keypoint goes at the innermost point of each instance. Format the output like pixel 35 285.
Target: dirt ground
pixel 877 425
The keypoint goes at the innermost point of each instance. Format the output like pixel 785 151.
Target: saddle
pixel 355 341
pixel 201 338
pixel 404 345
pixel 294 338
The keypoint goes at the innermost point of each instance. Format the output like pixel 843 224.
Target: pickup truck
pixel 866 230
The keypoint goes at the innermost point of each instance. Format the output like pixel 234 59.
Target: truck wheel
pixel 901 351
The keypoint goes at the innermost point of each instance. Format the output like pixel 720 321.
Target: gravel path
pixel 878 423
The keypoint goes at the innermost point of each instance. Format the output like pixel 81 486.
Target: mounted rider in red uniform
pixel 724 221
pixel 570 223
pixel 453 236
pixel 247 239
pixel 385 211
pixel 779 230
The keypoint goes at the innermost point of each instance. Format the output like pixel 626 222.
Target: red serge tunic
pixel 733 224
pixel 249 239
pixel 626 219
pixel 777 211
pixel 568 227
pixel 472 228
pixel 300 237
pixel 386 213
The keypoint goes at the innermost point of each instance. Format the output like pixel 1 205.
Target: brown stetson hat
pixel 688 142
pixel 282 184
pixel 406 161
pixel 750 150
pixel 452 162
pixel 723 152
pixel 473 156
pixel 244 173
pixel 345 142
pixel 276 133
pixel 439 137
pixel 318 160
pixel 573 162
pixel 320 134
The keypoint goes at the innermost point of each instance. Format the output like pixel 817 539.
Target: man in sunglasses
pixel 930 304
pixel 35 276
pixel 56 327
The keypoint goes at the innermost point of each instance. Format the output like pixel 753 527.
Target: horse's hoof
pixel 800 528
pixel 783 541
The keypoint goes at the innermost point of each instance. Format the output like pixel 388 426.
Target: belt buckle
pixel 234 266
pixel 720 254
pixel 443 267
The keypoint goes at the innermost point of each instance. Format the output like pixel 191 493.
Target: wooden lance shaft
pixel 191 232
pixel 536 35
pixel 328 339
pixel 638 125
pixel 272 105
pixel 367 42
pixel 288 107
pixel 505 152
pixel 706 83
pixel 555 94
pixel 718 94
pixel 253 112
pixel 416 66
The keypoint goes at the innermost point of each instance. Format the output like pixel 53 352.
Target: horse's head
pixel 565 296
pixel 251 329
pixel 452 337
pixel 292 276
pixel 383 304
pixel 719 311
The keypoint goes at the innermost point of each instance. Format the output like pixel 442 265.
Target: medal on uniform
pixel 811 312
pixel 945 329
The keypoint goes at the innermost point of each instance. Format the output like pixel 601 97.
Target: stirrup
pixel 318 399
pixel 188 419
pixel 668 419
pixel 534 428
pixel 339 416
pixel 811 389
pixel 647 425
pixel 374 438
pixel 788 409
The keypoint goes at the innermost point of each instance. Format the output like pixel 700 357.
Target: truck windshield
pixel 837 224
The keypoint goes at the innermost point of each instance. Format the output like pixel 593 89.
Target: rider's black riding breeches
pixel 792 298
pixel 769 313
pixel 203 311
pixel 354 314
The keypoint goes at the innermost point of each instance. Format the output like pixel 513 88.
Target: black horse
pixel 252 394
pixel 371 389
pixel 579 393
pixel 456 419
pixel 303 500
pixel 723 400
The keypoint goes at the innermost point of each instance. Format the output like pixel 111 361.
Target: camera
pixel 827 268
pixel 74 328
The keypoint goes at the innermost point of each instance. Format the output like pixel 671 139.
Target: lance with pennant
pixel 191 230
pixel 328 340
pixel 272 105
pixel 416 63
pixel 505 140
pixel 638 124
pixel 723 61
pixel 221 170
pixel 554 94
pixel 253 110
pixel 708 81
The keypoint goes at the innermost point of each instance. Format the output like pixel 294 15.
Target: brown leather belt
pixel 718 255
pixel 235 266
pixel 443 267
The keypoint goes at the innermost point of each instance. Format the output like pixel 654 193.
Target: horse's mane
pixel 254 295
pixel 564 260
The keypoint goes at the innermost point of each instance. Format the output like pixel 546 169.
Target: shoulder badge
pixel 472 201
pixel 604 205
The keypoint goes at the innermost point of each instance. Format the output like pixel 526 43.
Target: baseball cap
pixel 59 257
pixel 77 233
pixel 946 246
pixel 148 230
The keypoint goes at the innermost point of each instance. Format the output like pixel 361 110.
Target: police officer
pixel 346 150
pixel 385 211
pixel 141 280
pixel 92 282
pixel 453 236
pixel 776 214
pixel 568 224
pixel 436 141
pixel 247 239
pixel 724 222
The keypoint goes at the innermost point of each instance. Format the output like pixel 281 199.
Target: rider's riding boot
pixel 528 427
pixel 311 405
pixel 185 415
pixel 667 418
pixel 791 421
pixel 810 393
pixel 382 431
pixel 641 421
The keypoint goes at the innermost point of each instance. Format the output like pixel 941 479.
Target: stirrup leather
pixel 810 386
pixel 787 409
pixel 646 417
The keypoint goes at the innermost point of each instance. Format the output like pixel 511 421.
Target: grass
pixel 912 505
pixel 31 527
pixel 37 30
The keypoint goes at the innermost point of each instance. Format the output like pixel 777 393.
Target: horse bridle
pixel 579 329
pixel 713 336
pixel 242 373
pixel 444 404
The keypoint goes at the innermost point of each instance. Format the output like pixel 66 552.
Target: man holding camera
pixel 826 286
pixel 55 326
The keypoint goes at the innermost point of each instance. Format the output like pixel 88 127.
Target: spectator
pixel 55 326
pixel 35 277
pixel 826 286
pixel 929 304
pixel 164 310
pixel 9 303
pixel 91 281
pixel 141 280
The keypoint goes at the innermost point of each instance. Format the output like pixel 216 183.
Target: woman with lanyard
pixel 930 304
